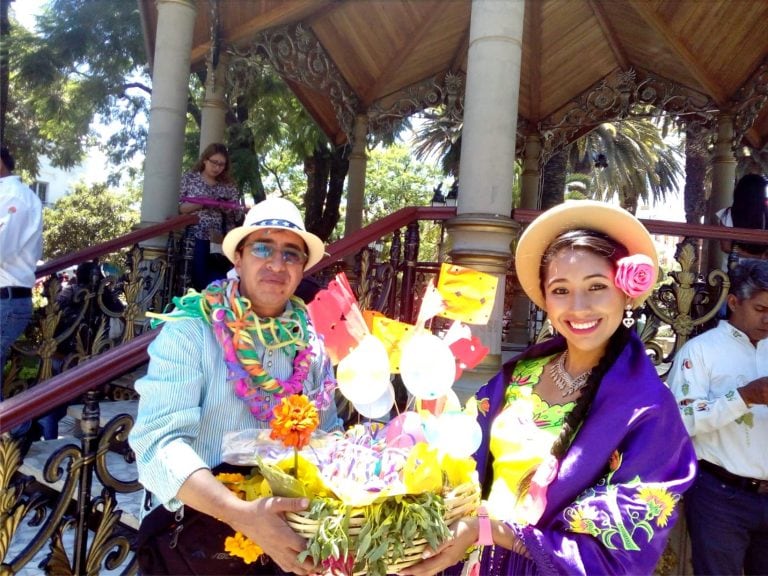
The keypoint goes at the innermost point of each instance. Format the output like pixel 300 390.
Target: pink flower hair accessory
pixel 635 275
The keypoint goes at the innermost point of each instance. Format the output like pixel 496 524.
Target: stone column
pixel 170 83
pixel 483 230
pixel 358 161
pixel 530 179
pixel 723 182
pixel 214 109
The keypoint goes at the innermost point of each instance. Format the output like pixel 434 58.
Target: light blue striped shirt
pixel 186 405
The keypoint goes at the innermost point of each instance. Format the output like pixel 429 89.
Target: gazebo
pixel 526 77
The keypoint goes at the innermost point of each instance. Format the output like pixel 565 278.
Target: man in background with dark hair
pixel 720 380
pixel 21 246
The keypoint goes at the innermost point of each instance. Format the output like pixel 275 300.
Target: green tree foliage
pixel 394 179
pixel 87 217
pixel 86 61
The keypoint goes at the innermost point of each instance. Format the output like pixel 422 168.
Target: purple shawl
pixel 611 507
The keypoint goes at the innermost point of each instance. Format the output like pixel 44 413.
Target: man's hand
pixel 267 527
pixel 755 392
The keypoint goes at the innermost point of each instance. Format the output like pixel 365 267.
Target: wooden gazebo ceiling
pixel 711 50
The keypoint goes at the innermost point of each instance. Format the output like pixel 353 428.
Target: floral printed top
pixel 213 222
pixel 521 436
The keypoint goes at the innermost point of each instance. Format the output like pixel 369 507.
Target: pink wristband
pixel 485 534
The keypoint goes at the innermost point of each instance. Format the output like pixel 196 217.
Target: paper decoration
pixel 369 315
pixel 427 366
pixel 379 407
pixel 468 353
pixel 392 334
pixel 448 403
pixel 431 304
pixel 363 374
pixel 336 315
pixel 468 294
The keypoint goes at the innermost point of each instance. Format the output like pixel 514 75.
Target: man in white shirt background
pixel 720 379
pixel 21 246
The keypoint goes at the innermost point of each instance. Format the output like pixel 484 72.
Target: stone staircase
pixel 119 463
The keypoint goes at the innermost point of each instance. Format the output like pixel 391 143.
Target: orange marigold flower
pixel 241 547
pixel 294 420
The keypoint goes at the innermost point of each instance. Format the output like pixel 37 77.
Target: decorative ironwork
pixel 750 99
pixel 446 90
pixel 687 304
pixel 620 95
pixel 297 54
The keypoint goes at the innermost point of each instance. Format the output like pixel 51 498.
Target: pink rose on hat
pixel 635 275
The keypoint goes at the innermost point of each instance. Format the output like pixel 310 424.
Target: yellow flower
pixel 582 521
pixel 660 503
pixel 294 420
pixel 241 547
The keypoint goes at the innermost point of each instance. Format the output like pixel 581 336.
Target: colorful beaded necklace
pixel 237 328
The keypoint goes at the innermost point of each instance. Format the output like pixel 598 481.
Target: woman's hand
pixel 463 536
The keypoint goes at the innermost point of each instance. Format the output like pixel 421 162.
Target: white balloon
pixel 458 434
pixel 363 374
pixel 380 407
pixel 427 366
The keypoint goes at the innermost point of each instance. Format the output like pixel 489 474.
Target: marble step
pixel 129 504
pixel 107 410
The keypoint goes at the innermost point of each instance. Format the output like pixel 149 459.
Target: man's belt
pixel 8 292
pixel 748 484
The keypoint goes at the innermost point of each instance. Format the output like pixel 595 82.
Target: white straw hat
pixel 276 213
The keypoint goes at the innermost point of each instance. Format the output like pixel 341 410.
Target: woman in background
pixel 210 182
pixel 749 210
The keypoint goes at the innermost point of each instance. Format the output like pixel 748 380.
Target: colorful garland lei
pixel 235 326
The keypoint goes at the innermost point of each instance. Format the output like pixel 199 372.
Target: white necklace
pixel 564 382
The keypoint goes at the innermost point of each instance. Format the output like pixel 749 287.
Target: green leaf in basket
pixel 282 484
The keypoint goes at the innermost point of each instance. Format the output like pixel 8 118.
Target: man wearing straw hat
pixel 223 360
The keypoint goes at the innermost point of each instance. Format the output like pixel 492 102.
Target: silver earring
pixel 628 320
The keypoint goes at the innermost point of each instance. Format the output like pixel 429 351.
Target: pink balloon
pixel 405 430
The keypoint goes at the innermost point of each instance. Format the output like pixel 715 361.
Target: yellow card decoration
pixel 391 333
pixel 468 294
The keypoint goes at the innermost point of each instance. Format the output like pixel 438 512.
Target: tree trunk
pixel 553 184
pixel 5 29
pixel 694 194
pixel 326 171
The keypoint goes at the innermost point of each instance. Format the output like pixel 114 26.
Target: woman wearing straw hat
pixel 584 456
pixel 223 360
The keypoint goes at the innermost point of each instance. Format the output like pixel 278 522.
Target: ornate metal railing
pixel 384 264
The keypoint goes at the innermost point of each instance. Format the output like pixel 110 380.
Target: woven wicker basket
pixel 461 501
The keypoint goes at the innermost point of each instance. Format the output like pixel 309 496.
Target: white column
pixel 530 179
pixel 214 109
pixel 358 161
pixel 723 166
pixel 490 107
pixel 482 232
pixel 170 84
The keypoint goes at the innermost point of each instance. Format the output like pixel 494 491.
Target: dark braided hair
pixel 606 247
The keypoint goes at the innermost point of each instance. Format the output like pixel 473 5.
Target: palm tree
pixel 629 159
pixel 440 135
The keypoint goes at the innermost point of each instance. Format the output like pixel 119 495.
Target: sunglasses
pixel 266 251
pixel 217 163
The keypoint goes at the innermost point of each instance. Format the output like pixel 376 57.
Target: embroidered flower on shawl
pixel 660 504
pixel 582 520
pixel 595 512
pixel 615 461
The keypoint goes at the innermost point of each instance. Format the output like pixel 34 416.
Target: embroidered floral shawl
pixel 612 505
